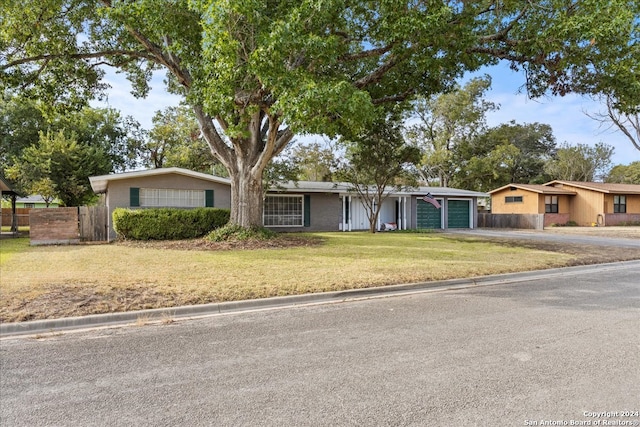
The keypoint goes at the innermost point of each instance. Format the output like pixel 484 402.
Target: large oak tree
pixel 256 72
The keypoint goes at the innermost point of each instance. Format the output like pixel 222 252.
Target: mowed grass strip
pixel 55 281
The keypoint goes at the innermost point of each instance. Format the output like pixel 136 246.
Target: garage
pixel 428 216
pixel 459 213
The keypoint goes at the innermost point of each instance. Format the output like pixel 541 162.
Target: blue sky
pixel 566 115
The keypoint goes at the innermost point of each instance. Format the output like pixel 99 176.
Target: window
pixel 165 197
pixel 550 204
pixel 513 199
pixel 29 205
pixel 283 211
pixel 619 204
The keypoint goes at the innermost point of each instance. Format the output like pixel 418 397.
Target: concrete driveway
pixel 561 349
pixel 619 236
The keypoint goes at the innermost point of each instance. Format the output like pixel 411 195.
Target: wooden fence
pixel 526 221
pixel 93 223
pixel 22 217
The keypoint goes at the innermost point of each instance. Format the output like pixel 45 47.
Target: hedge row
pixel 167 223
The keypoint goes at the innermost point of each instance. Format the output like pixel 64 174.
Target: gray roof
pixel 99 183
pixel 346 188
pixel 34 198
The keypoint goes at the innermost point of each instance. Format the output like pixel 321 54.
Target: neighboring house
pixel 296 206
pixel 584 203
pixel 35 202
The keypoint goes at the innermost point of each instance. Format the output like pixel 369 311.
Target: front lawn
pixel 56 281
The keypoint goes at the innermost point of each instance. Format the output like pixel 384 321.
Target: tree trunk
pixel 246 197
pixel 245 158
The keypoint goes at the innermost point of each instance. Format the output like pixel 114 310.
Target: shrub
pixel 167 223
pixel 234 232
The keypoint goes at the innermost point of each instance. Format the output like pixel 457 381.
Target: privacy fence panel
pixel 526 221
pixel 66 226
pixel 93 223
pixel 22 217
pixel 55 226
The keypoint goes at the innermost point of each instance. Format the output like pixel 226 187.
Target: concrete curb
pixel 185 312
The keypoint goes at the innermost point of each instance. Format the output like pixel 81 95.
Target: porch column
pixel 344 213
pixel 350 213
pixel 404 213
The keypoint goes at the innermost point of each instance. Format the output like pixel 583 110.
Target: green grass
pixel 21 228
pixel 10 247
pixel 53 281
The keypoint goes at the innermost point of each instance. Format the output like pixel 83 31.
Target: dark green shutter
pixel 208 198
pixel 134 197
pixel 307 210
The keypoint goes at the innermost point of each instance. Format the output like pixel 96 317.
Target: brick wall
pixel 556 218
pixel 621 219
pixel 54 226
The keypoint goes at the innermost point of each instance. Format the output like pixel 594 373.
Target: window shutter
pixel 208 198
pixel 307 210
pixel 134 197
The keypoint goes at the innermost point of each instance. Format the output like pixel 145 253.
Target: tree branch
pixel 394 98
pixel 366 53
pixel 87 55
pixel 502 34
pixel 218 147
pixel 378 73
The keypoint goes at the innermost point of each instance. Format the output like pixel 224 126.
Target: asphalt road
pixel 562 350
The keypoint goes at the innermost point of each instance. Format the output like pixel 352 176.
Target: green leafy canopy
pixel 258 72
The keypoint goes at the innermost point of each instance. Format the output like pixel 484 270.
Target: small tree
pixel 60 166
pixel 377 163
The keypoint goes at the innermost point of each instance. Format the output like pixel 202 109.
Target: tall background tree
pixel 580 162
pixel 20 124
pixel 258 72
pixel 625 174
pixel 446 122
pixel 33 146
pixel 175 140
pixel 507 153
pixel 314 161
